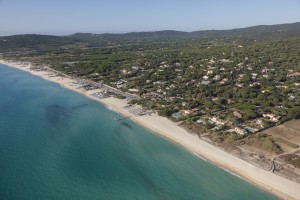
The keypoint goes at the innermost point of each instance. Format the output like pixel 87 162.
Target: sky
pixel 61 17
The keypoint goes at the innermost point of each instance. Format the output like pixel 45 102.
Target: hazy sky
pixel 117 16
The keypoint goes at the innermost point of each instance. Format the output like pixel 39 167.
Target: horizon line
pixel 128 32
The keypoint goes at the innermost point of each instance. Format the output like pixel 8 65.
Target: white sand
pixel 268 181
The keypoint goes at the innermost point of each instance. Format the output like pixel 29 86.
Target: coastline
pixel 266 180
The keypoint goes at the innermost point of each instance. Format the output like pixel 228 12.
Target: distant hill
pixel 262 32
pixel 33 41
pixel 133 35
pixel 255 32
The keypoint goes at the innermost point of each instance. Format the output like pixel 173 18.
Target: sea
pixel 58 144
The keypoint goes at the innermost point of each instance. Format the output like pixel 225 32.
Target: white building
pixel 240 131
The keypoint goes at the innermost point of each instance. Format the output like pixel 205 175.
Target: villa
pixel 240 131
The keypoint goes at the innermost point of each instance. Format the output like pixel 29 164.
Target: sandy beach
pixel 268 181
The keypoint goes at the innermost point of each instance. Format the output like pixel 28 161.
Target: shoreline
pixel 268 181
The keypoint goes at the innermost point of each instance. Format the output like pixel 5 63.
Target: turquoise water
pixel 62 145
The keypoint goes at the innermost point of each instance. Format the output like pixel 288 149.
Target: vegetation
pixel 290 144
pixel 245 78
pixel 293 159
